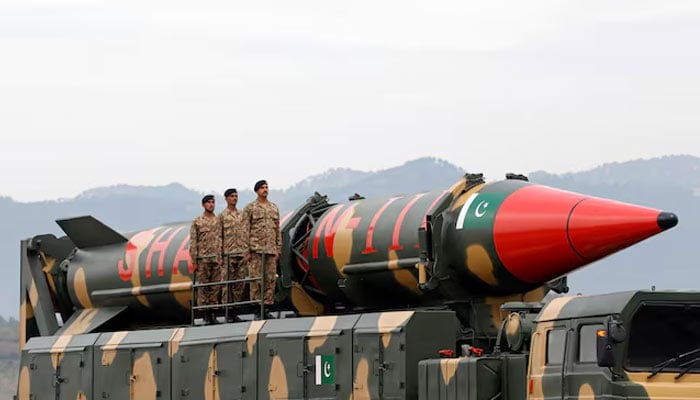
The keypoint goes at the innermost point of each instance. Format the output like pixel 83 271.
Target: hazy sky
pixel 214 94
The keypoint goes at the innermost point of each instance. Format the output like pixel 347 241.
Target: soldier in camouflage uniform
pixel 205 252
pixel 235 247
pixel 261 222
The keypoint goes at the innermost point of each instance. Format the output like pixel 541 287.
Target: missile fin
pixel 87 231
pixel 87 320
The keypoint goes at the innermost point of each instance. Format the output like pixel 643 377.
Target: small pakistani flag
pixel 479 210
pixel 325 369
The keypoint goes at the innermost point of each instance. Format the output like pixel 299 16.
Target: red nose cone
pixel 599 227
pixel 541 233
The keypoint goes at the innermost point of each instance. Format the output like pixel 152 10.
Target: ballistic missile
pixel 470 241
pixel 474 239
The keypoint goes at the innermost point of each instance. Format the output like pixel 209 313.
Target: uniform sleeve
pixel 220 227
pixel 278 239
pixel 220 217
pixel 193 242
pixel 245 228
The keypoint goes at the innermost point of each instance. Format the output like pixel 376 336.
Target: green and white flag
pixel 325 369
pixel 479 210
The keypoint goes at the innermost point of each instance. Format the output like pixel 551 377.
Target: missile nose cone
pixel 599 227
pixel 541 233
pixel 667 220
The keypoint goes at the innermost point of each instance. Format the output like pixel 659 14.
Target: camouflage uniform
pixel 235 246
pixel 261 222
pixel 205 251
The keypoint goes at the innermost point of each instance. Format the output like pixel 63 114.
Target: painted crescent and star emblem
pixel 325 369
pixel 481 209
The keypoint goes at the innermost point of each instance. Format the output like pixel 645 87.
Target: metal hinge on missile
pixel 294 236
pixel 429 267
pixel 520 177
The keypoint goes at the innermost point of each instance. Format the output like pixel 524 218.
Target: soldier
pixel 235 247
pixel 205 252
pixel 261 222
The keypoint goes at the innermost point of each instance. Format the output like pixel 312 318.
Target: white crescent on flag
pixel 480 209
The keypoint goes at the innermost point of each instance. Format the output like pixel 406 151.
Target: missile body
pixel 148 271
pixel 476 239
pixel 473 240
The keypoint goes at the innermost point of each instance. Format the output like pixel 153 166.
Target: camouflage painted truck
pixel 428 295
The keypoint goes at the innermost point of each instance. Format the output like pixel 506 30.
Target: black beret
pixel 228 192
pixel 259 183
pixel 207 198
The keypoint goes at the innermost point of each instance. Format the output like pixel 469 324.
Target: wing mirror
pixel 606 339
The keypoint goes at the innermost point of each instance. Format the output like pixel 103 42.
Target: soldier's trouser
pixel 254 269
pixel 208 271
pixel 236 270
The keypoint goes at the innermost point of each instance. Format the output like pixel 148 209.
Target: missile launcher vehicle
pixel 427 295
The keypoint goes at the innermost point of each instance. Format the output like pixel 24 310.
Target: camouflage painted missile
pixel 473 240
pixel 478 238
pixel 148 273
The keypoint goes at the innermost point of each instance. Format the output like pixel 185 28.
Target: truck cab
pixel 627 345
pixel 636 345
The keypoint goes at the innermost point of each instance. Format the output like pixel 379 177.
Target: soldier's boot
pixel 210 318
pixel 233 317
pixel 265 315
pixel 268 313
pixel 257 316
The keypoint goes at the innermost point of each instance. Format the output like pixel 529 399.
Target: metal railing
pixel 228 284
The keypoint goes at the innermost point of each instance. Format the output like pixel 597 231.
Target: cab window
pixel 587 343
pixel 659 332
pixel 556 339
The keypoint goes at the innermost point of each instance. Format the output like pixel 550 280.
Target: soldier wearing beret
pixel 261 222
pixel 235 247
pixel 205 252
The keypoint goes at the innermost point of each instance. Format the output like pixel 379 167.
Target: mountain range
pixel 665 261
